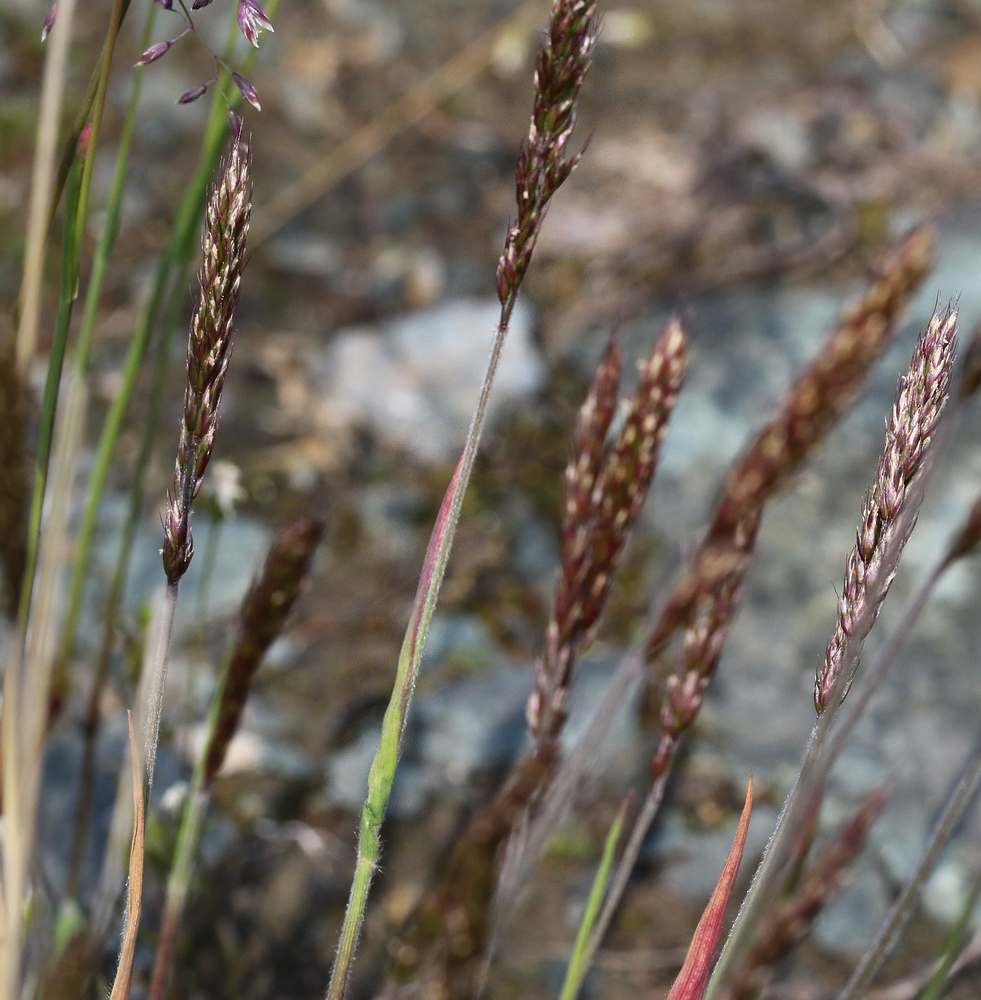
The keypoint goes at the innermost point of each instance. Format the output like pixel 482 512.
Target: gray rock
pixel 414 381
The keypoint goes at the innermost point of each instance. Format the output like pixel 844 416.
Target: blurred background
pixel 746 161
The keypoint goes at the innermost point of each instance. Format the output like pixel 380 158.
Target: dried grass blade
pixel 124 971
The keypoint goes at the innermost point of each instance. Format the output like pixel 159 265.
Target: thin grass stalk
pixel 262 618
pixel 127 534
pixel 42 184
pixel 542 167
pixel 27 683
pixel 704 641
pixel 94 128
pixel 15 840
pixel 631 851
pixel 100 260
pixel 83 116
pixel 807 894
pixel 954 947
pixel 113 873
pixel 52 385
pixel 123 981
pixel 580 959
pixel 957 801
pixel 178 883
pixel 526 845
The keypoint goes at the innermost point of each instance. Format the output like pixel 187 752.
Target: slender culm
pixel 208 349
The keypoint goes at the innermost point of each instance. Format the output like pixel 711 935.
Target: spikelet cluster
pixel 208 349
pixel 607 482
pixel 891 503
pixel 544 163
pixel 265 609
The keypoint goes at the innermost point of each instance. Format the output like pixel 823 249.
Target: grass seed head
pixel 889 509
pixel 208 348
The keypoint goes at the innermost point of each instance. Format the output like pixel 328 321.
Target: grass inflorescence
pixel 445 945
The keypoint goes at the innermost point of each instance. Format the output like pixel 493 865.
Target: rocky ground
pixel 746 160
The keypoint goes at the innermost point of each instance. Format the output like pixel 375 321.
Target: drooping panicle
pixel 208 348
pixel 264 612
pixel 544 164
pixel 891 503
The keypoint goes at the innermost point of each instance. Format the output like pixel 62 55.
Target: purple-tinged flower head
pixel 891 503
pixel 252 19
pixel 247 90
pixel 166 4
pixel 198 4
pixel 544 162
pixel 193 94
pixel 208 350
pixel 153 53
pixel 49 20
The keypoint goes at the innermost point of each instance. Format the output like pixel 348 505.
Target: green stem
pixel 381 776
pixel 98 108
pixel 49 404
pixel 100 261
pixel 582 952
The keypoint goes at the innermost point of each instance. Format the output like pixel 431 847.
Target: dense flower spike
pixel 811 408
pixel 606 485
pixel 208 349
pixel 891 504
pixel 543 164
pixel 252 19
pixel 264 612
pixel 702 646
